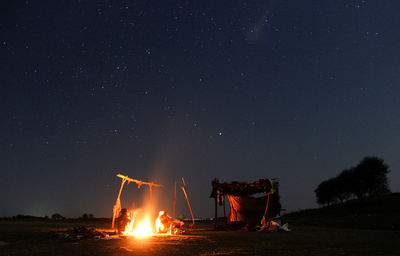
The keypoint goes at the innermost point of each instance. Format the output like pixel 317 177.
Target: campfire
pixel 130 225
pixel 143 229
pixel 142 224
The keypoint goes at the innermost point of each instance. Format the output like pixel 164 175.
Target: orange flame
pixel 142 229
pixel 159 226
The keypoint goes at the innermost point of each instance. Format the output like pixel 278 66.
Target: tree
pixel 344 184
pixel 325 192
pixel 57 216
pixel 370 177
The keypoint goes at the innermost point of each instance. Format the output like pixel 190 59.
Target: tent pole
pixel 216 213
pixel 224 207
pixel 266 210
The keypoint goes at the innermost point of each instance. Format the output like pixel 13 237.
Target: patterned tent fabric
pixel 244 188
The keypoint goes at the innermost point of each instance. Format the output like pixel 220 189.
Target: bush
pixel 325 192
pixel 57 216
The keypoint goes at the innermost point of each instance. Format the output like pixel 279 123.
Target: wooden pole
pixel 224 198
pixel 175 200
pixel 216 213
pixel 120 189
pixel 265 213
pixel 151 198
pixel 139 182
pixel 187 199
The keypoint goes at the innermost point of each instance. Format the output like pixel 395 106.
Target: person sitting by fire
pixel 123 220
pixel 165 223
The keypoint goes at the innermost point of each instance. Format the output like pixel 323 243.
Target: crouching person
pixel 122 221
pixel 165 223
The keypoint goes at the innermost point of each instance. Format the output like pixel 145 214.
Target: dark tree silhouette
pixel 344 185
pixel 370 177
pixel 325 192
pixel 57 216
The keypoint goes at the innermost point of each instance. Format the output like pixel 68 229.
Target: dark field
pixel 32 238
pixel 380 213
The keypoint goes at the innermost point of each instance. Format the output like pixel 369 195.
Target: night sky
pixel 157 90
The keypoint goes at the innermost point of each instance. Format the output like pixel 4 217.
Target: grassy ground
pixel 382 213
pixel 368 227
pixel 32 238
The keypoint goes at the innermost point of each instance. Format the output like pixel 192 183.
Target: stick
pixel 139 182
pixel 174 200
pixel 187 199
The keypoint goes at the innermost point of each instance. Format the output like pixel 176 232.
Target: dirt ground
pixel 32 238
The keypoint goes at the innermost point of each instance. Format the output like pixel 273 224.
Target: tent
pixel 245 207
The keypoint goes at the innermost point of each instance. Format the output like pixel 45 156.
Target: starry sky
pixel 157 90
